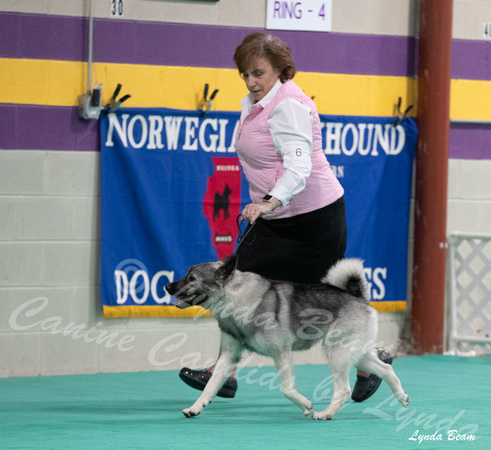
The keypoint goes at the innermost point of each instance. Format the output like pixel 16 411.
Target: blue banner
pixel 172 188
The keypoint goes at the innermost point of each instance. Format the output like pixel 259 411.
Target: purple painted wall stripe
pixel 471 60
pixel 205 46
pixel 31 127
pixel 34 36
pixel 139 42
pixel 470 141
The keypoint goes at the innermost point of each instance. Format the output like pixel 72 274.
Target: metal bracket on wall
pixel 400 116
pixel 205 105
pixel 114 104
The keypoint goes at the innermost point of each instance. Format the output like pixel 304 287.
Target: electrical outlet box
pixel 90 104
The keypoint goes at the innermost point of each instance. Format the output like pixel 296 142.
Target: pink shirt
pixel 272 170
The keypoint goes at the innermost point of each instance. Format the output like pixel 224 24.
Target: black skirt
pixel 299 249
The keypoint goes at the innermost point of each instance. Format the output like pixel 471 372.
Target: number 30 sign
pixel 117 8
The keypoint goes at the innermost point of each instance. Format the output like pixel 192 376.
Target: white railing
pixel 470 293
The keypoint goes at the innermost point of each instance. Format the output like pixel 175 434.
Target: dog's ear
pixel 226 269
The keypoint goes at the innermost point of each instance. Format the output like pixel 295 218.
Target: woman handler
pixel 297 207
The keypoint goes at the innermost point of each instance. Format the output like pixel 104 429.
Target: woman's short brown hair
pixel 259 45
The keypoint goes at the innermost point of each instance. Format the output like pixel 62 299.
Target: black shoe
pixel 197 379
pixel 365 387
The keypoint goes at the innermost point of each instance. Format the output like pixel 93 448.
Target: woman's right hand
pixel 252 211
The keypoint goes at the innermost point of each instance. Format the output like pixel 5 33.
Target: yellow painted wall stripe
pixel 59 83
pixel 154 311
pixel 399 305
pixel 470 100
pixel 193 311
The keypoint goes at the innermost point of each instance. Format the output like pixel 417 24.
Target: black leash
pixel 242 235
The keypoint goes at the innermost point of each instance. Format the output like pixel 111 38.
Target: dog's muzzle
pixel 184 301
pixel 193 300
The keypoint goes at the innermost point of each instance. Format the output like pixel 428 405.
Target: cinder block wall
pixel 50 314
pixel 469 203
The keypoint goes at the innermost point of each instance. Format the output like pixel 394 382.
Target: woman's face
pixel 260 78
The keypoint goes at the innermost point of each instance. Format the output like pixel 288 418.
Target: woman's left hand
pixel 254 210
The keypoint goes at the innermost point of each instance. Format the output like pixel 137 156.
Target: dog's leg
pixel 339 360
pixel 230 357
pixel 370 362
pixel 284 366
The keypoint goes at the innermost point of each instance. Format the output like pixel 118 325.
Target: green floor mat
pixel 143 411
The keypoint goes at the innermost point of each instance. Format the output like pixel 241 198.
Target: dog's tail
pixel 347 274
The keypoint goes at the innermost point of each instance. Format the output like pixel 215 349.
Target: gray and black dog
pixel 275 318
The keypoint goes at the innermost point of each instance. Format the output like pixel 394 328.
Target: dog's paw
pixel 190 412
pixel 321 416
pixel 404 400
pixel 308 410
